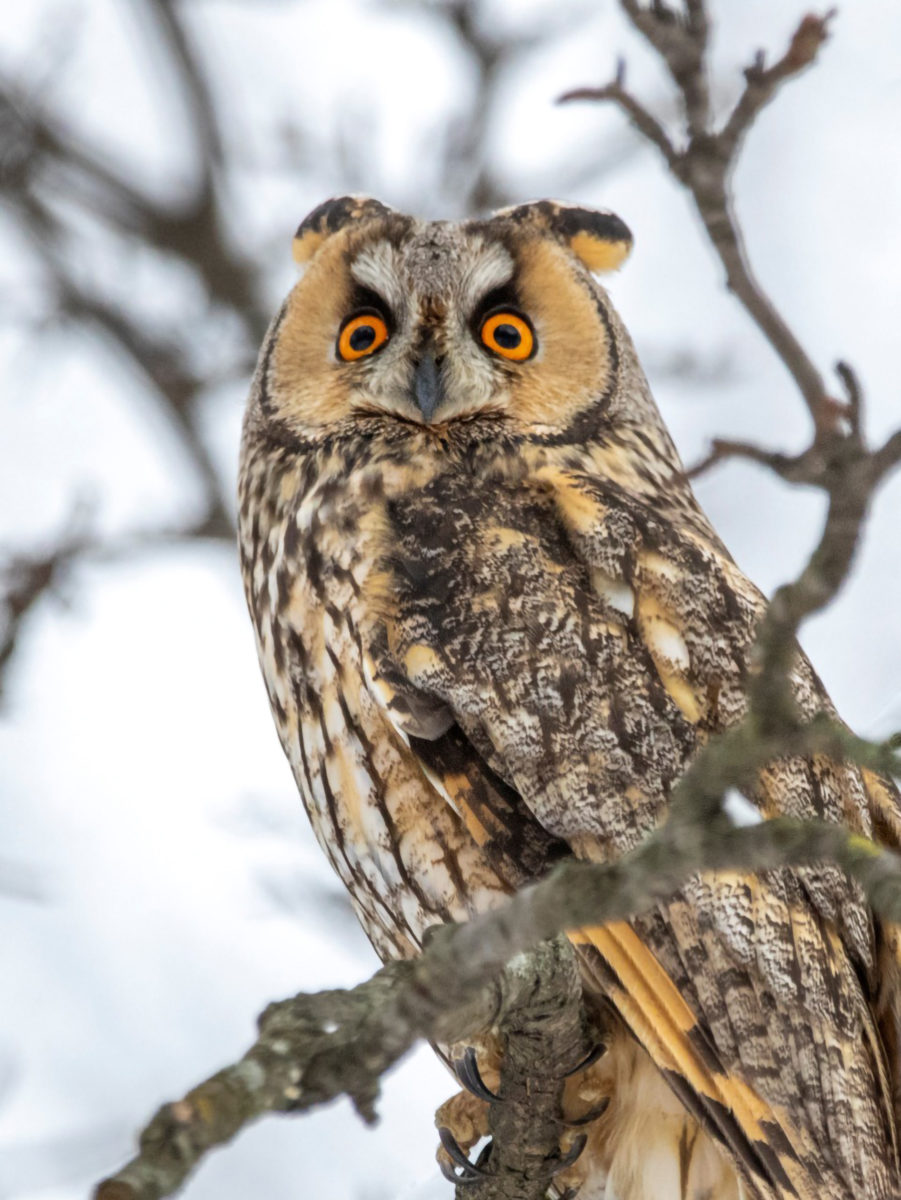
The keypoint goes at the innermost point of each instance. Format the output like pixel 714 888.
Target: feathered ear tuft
pixel 598 238
pixel 330 216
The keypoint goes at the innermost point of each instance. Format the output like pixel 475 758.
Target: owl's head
pixel 430 323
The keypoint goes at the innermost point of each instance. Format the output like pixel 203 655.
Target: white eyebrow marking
pixel 376 267
pixel 492 269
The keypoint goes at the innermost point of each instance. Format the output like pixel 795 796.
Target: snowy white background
pixel 143 796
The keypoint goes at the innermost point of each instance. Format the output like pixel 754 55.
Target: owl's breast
pixel 315 580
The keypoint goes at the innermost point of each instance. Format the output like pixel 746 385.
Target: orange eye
pixel 509 335
pixel 360 335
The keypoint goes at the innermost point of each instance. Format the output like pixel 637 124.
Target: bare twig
pixel 705 165
pixel 467 166
pixel 204 118
pixel 163 364
pixel 680 39
pixel 840 464
pixel 26 579
pixel 43 158
pixel 838 460
pixel 791 468
pixel 644 121
pixel 762 82
pixel 469 176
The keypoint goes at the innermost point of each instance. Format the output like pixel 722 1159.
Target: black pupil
pixel 362 337
pixel 507 336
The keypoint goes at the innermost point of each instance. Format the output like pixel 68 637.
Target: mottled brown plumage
pixel 495 626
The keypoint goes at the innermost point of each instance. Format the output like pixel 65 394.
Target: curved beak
pixel 428 388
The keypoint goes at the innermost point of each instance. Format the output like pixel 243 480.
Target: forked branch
pixel 708 155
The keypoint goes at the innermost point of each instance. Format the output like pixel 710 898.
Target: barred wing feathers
pixel 585 643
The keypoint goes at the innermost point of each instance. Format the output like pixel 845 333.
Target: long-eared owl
pixel 495 627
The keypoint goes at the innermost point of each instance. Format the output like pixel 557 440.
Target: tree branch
pixel 314 1048
pixel 707 162
pixel 544 1038
pixel 198 94
pixel 762 82
pixel 28 578
pixel 644 121
pixel 840 464
pixel 680 40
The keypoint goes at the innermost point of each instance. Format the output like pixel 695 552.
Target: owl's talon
pixel 470 1171
pixel 587 1118
pixel 482 1160
pixel 591 1057
pixel 467 1071
pixel 571 1155
pixel 449 1171
pixel 473 1171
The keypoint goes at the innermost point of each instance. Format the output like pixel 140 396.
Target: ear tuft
pixel 598 238
pixel 330 216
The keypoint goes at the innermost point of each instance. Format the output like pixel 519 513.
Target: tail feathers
pixel 761 1141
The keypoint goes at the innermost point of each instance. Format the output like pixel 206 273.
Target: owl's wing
pixel 581 646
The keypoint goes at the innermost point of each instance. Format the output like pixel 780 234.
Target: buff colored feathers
pixel 495 626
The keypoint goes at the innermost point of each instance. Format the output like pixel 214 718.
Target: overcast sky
pixel 143 795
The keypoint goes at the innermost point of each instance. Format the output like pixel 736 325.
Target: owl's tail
pixel 673 1108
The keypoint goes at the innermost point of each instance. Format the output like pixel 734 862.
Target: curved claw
pixel 482 1160
pixel 470 1171
pixel 467 1071
pixel 591 1057
pixel 449 1172
pixel 587 1118
pixel 572 1154
pixel 569 1158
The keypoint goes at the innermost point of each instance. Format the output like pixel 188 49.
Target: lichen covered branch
pixel 314 1048
pixel 544 1038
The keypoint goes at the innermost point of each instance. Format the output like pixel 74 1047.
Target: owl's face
pixel 432 323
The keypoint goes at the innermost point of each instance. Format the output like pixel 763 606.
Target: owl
pixel 495 627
